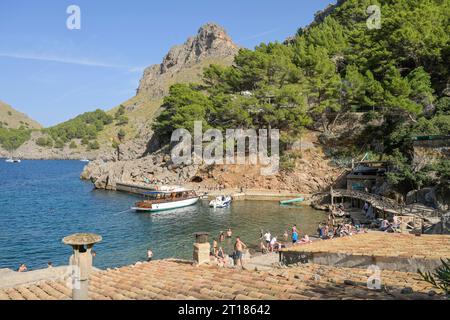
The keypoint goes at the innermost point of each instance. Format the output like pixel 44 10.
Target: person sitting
pixel 22 268
pixel 305 240
pixel 263 248
pixel 384 225
pixel 273 244
pixel 395 223
pixel 328 233
pixel 221 256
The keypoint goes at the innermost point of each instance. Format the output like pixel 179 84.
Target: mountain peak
pixel 211 42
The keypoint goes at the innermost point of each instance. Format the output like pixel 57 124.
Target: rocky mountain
pixel 211 43
pixel 184 63
pixel 13 119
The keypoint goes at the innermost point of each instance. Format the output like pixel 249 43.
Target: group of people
pixel 23 267
pixel 218 253
pixel 388 226
pixel 385 224
pixel 326 231
pixel 272 244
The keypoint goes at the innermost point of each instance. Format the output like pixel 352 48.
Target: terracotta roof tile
pixel 167 279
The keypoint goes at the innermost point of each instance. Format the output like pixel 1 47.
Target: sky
pixel 53 73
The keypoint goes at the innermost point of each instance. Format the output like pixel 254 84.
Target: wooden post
pixel 332 197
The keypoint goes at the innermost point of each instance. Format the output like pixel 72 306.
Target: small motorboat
pixel 296 200
pixel 85 160
pixel 221 202
pixel 13 160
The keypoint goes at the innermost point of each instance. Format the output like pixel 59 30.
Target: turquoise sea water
pixel 43 201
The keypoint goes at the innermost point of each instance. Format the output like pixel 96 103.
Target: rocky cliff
pixel 211 43
pixel 313 172
pixel 183 64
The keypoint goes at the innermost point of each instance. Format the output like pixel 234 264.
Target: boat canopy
pixel 166 192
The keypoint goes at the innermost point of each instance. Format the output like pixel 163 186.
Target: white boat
pixel 221 202
pixel 166 200
pixel 84 160
pixel 13 160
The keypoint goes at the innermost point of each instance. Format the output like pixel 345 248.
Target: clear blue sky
pixel 53 74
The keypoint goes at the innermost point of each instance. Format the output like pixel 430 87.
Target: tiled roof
pixel 384 244
pixel 170 279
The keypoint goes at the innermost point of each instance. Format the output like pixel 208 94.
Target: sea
pixel 43 201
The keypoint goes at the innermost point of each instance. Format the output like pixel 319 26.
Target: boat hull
pixel 12 161
pixel 220 206
pixel 218 203
pixel 292 201
pixel 168 205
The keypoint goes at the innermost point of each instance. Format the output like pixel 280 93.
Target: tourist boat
pixel 84 160
pixel 166 199
pixel 10 160
pixel 221 202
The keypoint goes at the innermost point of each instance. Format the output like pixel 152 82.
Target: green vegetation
pixel 122 120
pixel 94 145
pixel 44 142
pixel 397 76
pixel 119 112
pixel 11 139
pixel 73 145
pixel 85 127
pixel 440 279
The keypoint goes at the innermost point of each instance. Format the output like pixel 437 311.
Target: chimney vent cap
pixel 80 239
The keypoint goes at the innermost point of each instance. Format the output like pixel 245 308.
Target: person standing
pixel 286 236
pixel 239 247
pixel 366 208
pixel 294 237
pixel 229 233
pixel 215 247
pixel 267 238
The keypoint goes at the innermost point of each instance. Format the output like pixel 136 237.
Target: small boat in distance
pixel 166 200
pixel 296 200
pixel 85 160
pixel 221 202
pixel 10 160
